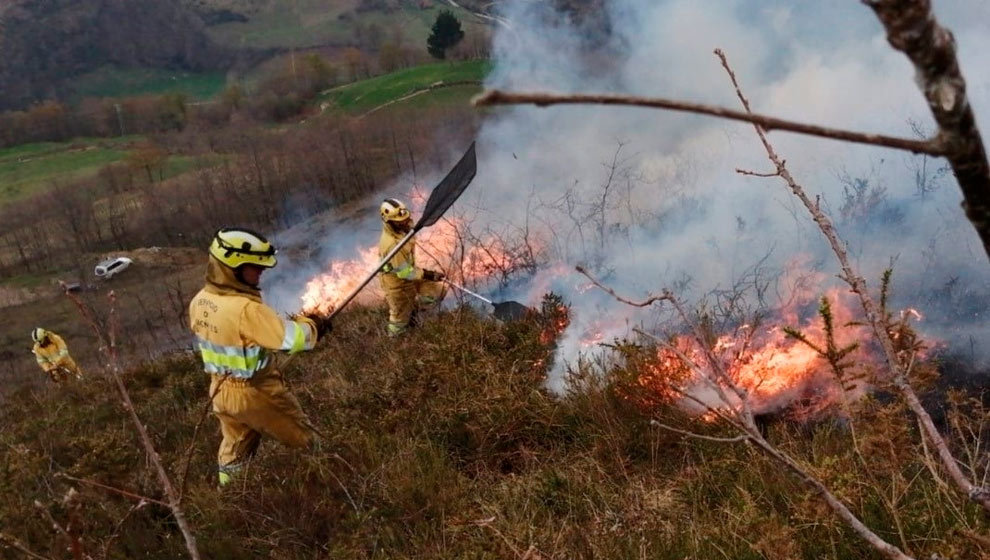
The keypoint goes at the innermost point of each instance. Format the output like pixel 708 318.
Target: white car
pixel 111 267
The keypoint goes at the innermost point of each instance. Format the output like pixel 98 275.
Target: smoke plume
pixel 648 199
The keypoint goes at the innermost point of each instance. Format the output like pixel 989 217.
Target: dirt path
pixel 496 19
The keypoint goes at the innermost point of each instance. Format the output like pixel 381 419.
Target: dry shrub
pixel 444 444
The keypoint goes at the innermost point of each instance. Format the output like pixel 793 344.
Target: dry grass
pixel 446 445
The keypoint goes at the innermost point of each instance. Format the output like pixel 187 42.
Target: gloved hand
pixel 323 325
pixel 433 276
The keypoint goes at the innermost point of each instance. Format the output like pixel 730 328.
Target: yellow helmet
pixel 39 334
pixel 394 211
pixel 237 246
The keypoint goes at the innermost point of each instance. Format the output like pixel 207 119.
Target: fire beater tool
pixel 504 310
pixel 442 197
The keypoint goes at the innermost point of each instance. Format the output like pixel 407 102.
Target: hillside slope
pixel 445 444
pixel 45 44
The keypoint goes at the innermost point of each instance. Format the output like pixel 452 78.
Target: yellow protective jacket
pixel 54 354
pixel 236 331
pixel 402 267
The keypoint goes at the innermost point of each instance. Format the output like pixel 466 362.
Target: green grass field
pixel 119 82
pixel 367 94
pixel 30 168
pixel 311 23
pixel 26 169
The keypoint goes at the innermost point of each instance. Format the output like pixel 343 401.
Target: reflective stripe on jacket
pixel 235 333
pixel 402 267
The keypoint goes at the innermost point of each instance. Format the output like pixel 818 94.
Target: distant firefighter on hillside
pixel 53 356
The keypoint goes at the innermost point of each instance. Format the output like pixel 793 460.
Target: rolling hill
pixel 46 44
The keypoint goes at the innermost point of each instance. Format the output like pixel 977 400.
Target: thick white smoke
pixel 676 213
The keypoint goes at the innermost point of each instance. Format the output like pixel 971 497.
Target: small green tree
pixel 446 33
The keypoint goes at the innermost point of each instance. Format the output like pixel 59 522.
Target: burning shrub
pixel 649 377
pixel 555 317
pixel 804 371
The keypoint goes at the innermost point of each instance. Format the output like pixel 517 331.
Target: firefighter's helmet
pixel 235 247
pixel 393 210
pixel 39 334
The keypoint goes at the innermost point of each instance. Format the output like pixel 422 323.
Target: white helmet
pixel 393 210
pixel 39 334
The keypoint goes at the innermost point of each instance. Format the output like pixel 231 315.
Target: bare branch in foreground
pixel 756 174
pixel 665 296
pixel 116 532
pixel 112 489
pixel 694 435
pixel 741 419
pixel 913 30
pixel 74 542
pixel 113 368
pixel 931 147
pixel 871 312
pixel 19 546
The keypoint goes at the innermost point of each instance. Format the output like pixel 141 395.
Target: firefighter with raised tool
pixel 53 356
pixel 407 287
pixel 236 334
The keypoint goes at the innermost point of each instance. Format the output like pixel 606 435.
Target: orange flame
pixel 440 247
pixel 774 370
pixel 555 326
pixel 326 291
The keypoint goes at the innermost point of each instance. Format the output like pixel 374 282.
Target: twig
pixel 120 524
pixel 496 97
pixel 346 493
pixel 756 174
pixel 51 520
pixel 870 310
pixel 694 435
pixel 19 546
pixel 665 296
pixel 840 509
pixel 113 367
pixel 115 490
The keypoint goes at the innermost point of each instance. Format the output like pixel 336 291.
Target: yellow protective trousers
pixel 406 299
pixel 61 371
pixel 250 408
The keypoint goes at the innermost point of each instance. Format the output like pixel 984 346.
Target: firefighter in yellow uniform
pixel 407 287
pixel 236 334
pixel 53 356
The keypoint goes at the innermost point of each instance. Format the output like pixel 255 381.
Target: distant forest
pixel 46 44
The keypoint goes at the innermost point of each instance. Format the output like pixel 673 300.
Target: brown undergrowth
pixel 444 444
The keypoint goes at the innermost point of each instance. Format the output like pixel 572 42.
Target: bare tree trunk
pixel 913 30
